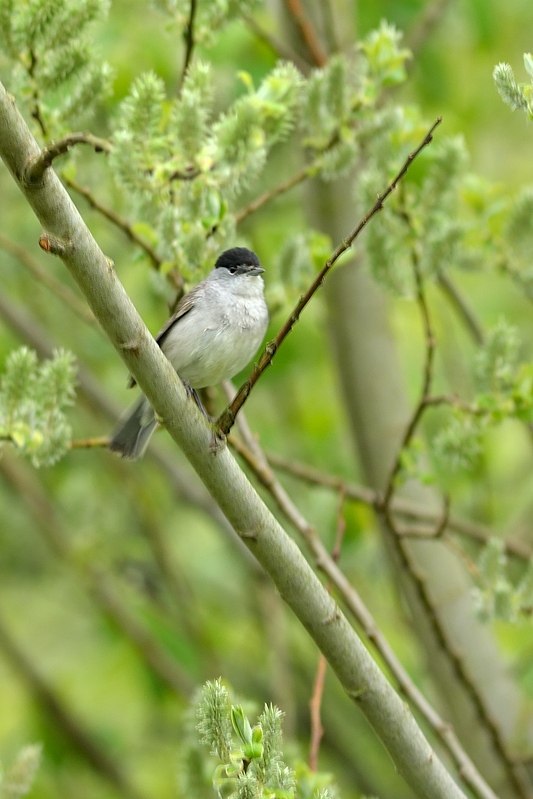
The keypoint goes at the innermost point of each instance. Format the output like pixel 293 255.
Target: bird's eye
pixel 232 269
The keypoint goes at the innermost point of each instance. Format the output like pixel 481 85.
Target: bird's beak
pixel 255 270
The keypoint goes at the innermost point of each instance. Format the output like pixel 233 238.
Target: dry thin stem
pixel 189 42
pixel 426 383
pixel 276 45
pixel 270 195
pixel 307 31
pixel 100 442
pixel 227 418
pixel 116 219
pixel 399 507
pixel 464 311
pixel 36 111
pixel 315 704
pixel 35 169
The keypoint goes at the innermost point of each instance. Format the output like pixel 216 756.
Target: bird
pixel 213 334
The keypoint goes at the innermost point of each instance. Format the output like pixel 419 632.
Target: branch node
pixel 218 441
pixel 356 695
pixel 36 167
pixel 270 351
pixel 333 617
pixel 131 346
pixel 52 244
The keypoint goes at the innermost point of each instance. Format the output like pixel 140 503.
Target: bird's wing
pixel 183 307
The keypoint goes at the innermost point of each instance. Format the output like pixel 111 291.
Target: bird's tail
pixel 134 431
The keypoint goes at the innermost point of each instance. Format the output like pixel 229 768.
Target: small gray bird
pixel 215 331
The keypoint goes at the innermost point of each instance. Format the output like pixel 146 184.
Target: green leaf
pixel 241 725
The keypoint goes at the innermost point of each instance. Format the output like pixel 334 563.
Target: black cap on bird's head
pixel 240 261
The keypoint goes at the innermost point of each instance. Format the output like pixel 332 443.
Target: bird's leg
pixel 218 439
pixel 191 392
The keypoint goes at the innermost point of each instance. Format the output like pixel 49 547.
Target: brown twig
pixel 307 31
pixel 517 277
pixel 227 418
pixel 315 704
pixel 36 112
pixel 190 173
pixel 90 443
pixel 117 220
pixel 189 42
pixel 462 308
pixel 426 383
pixel 278 47
pixel 270 195
pixel 400 507
pixel 35 169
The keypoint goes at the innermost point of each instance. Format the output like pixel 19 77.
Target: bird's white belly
pixel 214 355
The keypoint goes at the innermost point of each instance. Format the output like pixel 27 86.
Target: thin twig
pixel 100 442
pixel 462 308
pixel 276 45
pixel 35 169
pixel 426 383
pixel 227 418
pixel 399 506
pixel 270 195
pixel 117 220
pixel 189 43
pixel 517 277
pixel 308 171
pixel 315 704
pixel 36 112
pixel 307 31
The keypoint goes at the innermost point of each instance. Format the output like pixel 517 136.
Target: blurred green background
pixel 92 538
